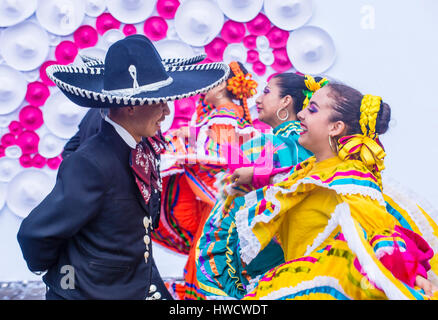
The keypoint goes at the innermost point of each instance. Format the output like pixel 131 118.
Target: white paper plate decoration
pixel 167 122
pixel 288 14
pixel 173 49
pixel 94 8
pixel 51 146
pixel 61 17
pixel 26 190
pixel 131 11
pixel 197 22
pixel 15 11
pixel 109 37
pixel 62 116
pixel 3 194
pixel 13 88
pixel 311 50
pixel 24 46
pixel 241 10
pixel 235 52
pixel 9 168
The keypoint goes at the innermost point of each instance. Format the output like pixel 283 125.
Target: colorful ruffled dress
pixel 342 238
pixel 190 171
pixel 286 152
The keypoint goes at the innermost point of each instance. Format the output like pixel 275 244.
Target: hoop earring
pixel 335 148
pixel 285 118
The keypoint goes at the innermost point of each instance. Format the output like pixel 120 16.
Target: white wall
pixel 398 61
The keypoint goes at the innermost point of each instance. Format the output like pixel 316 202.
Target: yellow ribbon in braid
pixel 366 146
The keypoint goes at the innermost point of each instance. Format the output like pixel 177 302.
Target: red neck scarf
pixel 145 164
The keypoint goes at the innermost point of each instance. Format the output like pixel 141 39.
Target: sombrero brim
pixel 84 85
pixel 96 62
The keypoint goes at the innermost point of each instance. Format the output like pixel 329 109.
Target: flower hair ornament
pixel 312 87
pixel 366 145
pixel 241 85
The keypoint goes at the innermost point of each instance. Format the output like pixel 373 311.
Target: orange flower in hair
pixel 241 85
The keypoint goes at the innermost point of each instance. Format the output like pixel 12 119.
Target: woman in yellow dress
pixel 330 216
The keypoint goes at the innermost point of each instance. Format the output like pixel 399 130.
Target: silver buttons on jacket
pixel 147 222
pixel 156 295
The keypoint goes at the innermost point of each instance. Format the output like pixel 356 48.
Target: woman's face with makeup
pixel 316 123
pixel 269 102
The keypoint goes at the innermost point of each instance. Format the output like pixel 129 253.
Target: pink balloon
pixel 155 28
pixel 66 52
pixel 233 32
pixel 38 161
pixel 259 68
pixel 28 142
pixel 250 41
pixel 85 36
pixel 8 140
pixel 167 8
pixel 26 161
pixel 31 117
pixel 37 93
pixel 43 75
pixel 277 37
pixel 281 62
pixel 179 122
pixel 252 56
pixel 53 163
pixel 259 26
pixel 129 29
pixel 105 22
pixel 15 127
pixel 215 49
pixel 184 108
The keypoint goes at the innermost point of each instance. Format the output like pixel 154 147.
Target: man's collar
pixel 123 133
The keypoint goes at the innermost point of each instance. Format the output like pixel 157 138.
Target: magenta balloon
pixel 259 26
pixel 129 29
pixel 66 52
pixel 281 60
pixel 15 127
pixel 37 93
pixel 215 49
pixel 184 108
pixel 252 56
pixel 38 161
pixel 233 32
pixel 250 41
pixel 105 22
pixel 277 37
pixel 155 28
pixel 26 161
pixel 31 117
pixel 43 75
pixel 167 8
pixel 85 36
pixel 259 68
pixel 179 122
pixel 28 142
pixel 8 140
pixel 53 163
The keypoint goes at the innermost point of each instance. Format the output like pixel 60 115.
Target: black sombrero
pixel 134 74
pixel 97 62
